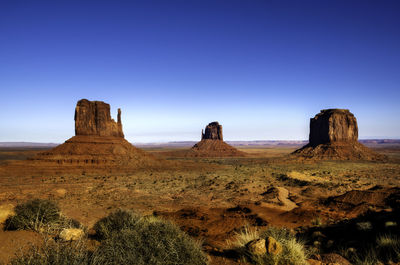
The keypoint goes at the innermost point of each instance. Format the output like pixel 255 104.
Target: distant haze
pixel 260 68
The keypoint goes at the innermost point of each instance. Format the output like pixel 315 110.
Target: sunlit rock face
pixel 93 118
pixel 333 125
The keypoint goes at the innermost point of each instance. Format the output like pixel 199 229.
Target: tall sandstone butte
pixel 93 118
pixel 333 125
pixel 98 144
pixel 334 135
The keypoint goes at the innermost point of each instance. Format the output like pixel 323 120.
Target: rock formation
pixel 334 135
pixel 213 132
pixel 98 143
pixel 212 144
pixel 333 125
pixel 93 118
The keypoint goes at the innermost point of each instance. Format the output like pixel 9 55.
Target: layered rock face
pixel 93 118
pixel 334 136
pixel 213 132
pixel 333 125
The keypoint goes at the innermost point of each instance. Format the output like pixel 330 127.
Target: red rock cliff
pixel 93 118
pixel 333 125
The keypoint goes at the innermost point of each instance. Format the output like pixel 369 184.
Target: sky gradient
pixel 260 68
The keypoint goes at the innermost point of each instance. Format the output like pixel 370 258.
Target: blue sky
pixel 260 68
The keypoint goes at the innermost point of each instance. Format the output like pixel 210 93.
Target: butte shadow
pixel 334 136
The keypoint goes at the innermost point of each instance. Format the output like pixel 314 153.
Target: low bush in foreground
pixel 55 253
pixel 126 238
pixel 33 215
pixel 116 222
pixel 151 241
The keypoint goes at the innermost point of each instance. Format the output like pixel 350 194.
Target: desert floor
pixel 209 198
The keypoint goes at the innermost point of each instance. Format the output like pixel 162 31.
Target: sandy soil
pixel 210 198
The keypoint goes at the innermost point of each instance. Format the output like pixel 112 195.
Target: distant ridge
pixel 27 144
pixel 182 144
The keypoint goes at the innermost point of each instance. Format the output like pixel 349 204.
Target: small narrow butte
pixel 212 144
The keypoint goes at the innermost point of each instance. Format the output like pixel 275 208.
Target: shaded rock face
pixel 213 132
pixel 333 125
pixel 334 136
pixel 93 118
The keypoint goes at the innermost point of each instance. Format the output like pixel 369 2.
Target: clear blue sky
pixel 260 68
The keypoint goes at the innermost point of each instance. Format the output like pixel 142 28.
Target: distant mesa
pixel 212 144
pixel 334 135
pixel 98 142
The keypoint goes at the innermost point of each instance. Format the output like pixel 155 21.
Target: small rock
pixel 71 234
pixel 364 226
pixel 256 247
pixel 314 262
pixel 273 246
pixel 317 234
pixel 333 258
pixel 317 244
pixel 61 192
pixel 6 210
pixel 390 224
pixel 330 243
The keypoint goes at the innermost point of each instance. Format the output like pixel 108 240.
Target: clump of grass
pixel 51 252
pixel 385 250
pixel 150 241
pixel 116 222
pixel 34 215
pixel 293 251
pixel 244 237
pixel 388 248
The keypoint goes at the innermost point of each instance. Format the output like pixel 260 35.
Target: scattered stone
pixel 6 210
pixel 71 234
pixel 390 224
pixel 334 258
pixel 364 226
pixel 273 246
pixel 317 234
pixel 60 193
pixel 314 262
pixel 256 247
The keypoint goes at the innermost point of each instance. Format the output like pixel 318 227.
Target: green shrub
pixel 55 253
pixel 116 222
pixel 151 241
pixel 33 215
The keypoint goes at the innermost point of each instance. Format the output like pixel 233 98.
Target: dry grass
pixel 293 251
